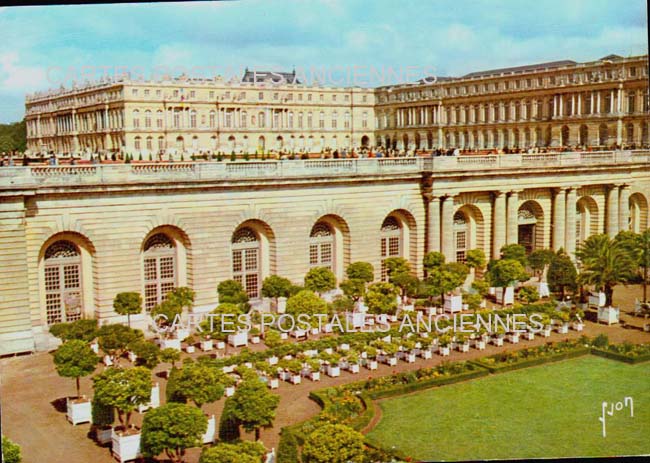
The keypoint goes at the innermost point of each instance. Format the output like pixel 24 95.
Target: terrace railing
pixel 188 171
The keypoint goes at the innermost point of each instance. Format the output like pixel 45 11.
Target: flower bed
pixel 626 352
pixel 550 352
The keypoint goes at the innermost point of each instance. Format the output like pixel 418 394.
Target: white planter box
pixel 298 334
pixel 463 347
pixel 513 338
pixel 577 326
pixel 497 342
pixel 108 361
pixel 563 328
pixel 310 353
pixel 238 339
pixel 314 375
pixel 344 347
pixel 329 351
pixel 154 399
pixel 284 336
pixel 444 351
pixel 272 360
pixel 410 358
pixel 274 383
pixel 132 357
pixel 314 331
pixel 597 299
pixel 208 437
pixel 126 447
pixel 408 308
pixel 529 335
pixel 190 349
pixel 453 303
pixel 285 375
pixel 171 343
pixel 479 344
pixel 371 365
pixel 355 319
pixel 104 435
pixel 228 368
pixel 206 345
pixel 546 332
pixel 353 368
pixel 608 315
pixel 426 354
pixel 182 333
pixel 295 379
pixel 221 345
pixel 505 298
pixel 95 347
pixel 79 411
pixel 333 371
pixel 230 391
pixel 282 304
pixel 255 340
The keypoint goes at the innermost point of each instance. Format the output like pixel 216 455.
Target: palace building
pixel 74 236
pixel 563 103
pixel 260 112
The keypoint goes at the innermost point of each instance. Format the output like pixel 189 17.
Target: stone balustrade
pixel 33 176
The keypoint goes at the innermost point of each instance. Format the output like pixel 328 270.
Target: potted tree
pixel 498 335
pixel 443 342
pixel 169 355
pixel 103 417
pixel 172 429
pixel 128 303
pixel 332 367
pixel 371 358
pixel 353 360
pixel 114 340
pixel 74 359
pixel 190 341
pixel 313 366
pixel 462 342
pixel 125 390
pixel 563 318
pixel 576 316
pixel 206 343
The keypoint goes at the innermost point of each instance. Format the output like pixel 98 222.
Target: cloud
pixel 15 77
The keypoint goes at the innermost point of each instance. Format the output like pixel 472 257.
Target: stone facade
pixel 199 116
pixel 564 103
pixel 75 236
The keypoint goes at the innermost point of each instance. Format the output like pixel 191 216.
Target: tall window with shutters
pixel 246 260
pixel 63 285
pixel 461 236
pixel 159 269
pixel 321 246
pixel 391 242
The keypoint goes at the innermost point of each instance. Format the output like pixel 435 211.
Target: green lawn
pixel 545 411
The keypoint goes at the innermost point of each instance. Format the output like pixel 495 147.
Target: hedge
pixel 620 357
pixel 401 389
pixel 525 363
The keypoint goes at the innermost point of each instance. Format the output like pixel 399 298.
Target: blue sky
pixel 44 46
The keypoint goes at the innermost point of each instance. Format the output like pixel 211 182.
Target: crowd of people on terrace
pixel 16 158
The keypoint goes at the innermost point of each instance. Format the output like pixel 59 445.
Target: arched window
pixel 136 118
pixel 461 236
pixel 246 260
pixel 159 269
pixel 391 242
pixel 63 288
pixel 321 246
pixel 213 120
pixel 180 143
pixel 244 119
pixel 193 118
pixel 261 120
pixel 147 118
pixel 149 143
pixel 137 144
pixel 159 119
pixel 290 120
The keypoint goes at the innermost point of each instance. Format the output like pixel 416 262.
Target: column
pixel 512 231
pixel 561 108
pixel 559 216
pixel 624 208
pixel 579 104
pixel 592 102
pixel 499 224
pixel 612 211
pixel 447 235
pixel 597 102
pixel 573 105
pixel 433 222
pixel 570 223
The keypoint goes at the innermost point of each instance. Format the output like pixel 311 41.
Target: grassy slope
pixel 551 411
